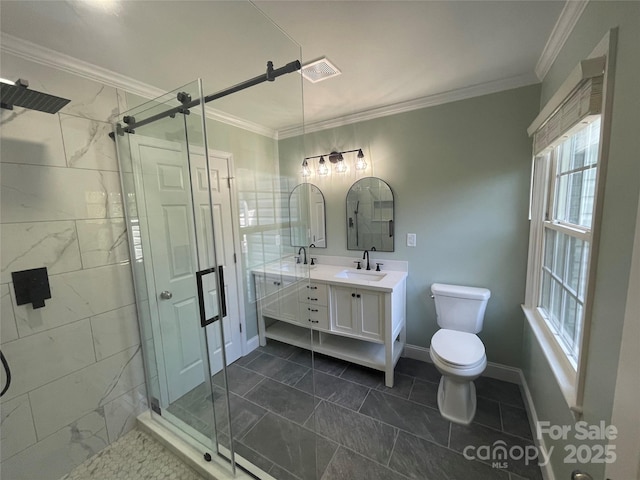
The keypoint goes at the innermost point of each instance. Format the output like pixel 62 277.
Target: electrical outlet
pixel 411 239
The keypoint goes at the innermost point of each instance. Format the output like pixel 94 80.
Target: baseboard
pixel 547 471
pixel 252 344
pixel 494 370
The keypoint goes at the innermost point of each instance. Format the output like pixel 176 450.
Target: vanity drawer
pixel 314 294
pixel 315 316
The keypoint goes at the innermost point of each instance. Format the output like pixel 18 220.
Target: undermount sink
pixel 366 276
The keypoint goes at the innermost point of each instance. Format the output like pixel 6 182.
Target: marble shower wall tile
pixel 78 295
pixel 58 403
pixel 41 244
pixel 103 242
pixel 8 329
pixel 17 428
pixel 122 412
pixel 88 99
pixel 30 137
pixel 36 194
pixel 115 331
pixel 87 143
pixel 59 453
pixel 44 357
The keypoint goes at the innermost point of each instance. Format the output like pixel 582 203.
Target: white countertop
pixel 335 274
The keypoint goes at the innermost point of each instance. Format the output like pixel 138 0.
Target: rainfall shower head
pixel 18 94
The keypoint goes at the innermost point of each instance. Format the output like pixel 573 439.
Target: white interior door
pixel 223 225
pixel 170 238
pixel 171 235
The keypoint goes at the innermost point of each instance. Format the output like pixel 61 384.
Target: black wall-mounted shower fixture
pixel 18 94
pixel 31 286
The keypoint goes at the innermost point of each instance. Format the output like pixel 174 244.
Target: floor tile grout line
pixel 335 452
pixel 393 447
pixel 363 400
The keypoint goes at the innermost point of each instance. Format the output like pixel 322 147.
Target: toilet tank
pixel 460 308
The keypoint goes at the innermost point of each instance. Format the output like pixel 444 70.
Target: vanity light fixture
pixel 360 163
pixel 337 159
pixel 322 168
pixel 306 171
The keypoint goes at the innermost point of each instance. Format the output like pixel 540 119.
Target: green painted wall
pixel 460 174
pixel 617 232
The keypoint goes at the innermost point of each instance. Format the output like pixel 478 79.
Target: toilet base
pixel 457 400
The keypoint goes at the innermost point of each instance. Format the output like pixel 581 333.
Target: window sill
pixel 563 371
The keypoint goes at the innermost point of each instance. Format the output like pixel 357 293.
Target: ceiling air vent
pixel 319 70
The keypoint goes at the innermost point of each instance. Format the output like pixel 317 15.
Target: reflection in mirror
pixel 306 214
pixel 370 215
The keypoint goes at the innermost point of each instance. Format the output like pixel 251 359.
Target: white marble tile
pixel 44 357
pixel 16 430
pixel 78 295
pixel 123 103
pixel 102 242
pixel 41 244
pixel 65 400
pixel 122 412
pixel 115 331
pixel 87 143
pixel 88 99
pixel 59 453
pixel 34 194
pixel 8 329
pixel 30 137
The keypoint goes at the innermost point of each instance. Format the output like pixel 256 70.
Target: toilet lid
pixel 458 348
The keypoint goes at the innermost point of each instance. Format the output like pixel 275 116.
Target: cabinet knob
pixel 312 309
pixel 312 299
pixel 358 296
pixel 353 295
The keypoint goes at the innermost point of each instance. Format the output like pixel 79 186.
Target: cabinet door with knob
pixel 357 312
pixel 277 296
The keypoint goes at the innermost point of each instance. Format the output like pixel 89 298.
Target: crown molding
pixel 416 104
pixel 562 29
pixel 60 61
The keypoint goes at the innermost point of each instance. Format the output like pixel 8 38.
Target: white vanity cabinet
pixel 277 296
pixel 355 319
pixel 358 313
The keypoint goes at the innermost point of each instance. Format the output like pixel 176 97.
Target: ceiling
pixel 388 51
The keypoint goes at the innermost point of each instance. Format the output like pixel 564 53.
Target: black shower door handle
pixel 204 321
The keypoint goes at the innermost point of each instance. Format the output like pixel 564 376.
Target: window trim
pixel 570 380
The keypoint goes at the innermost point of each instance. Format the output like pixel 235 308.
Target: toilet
pixel 456 350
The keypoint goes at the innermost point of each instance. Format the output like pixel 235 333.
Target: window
pixel 567 235
pixel 569 158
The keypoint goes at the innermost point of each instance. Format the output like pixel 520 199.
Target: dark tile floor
pixel 355 427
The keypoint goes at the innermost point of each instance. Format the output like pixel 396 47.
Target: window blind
pixel 579 98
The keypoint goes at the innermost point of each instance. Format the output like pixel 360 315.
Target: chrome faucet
pixel 366 255
pixel 305 254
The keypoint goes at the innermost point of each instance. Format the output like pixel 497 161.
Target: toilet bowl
pixel 460 358
pixel 456 351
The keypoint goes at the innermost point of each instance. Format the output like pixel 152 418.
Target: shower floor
pixel 355 427
pixel 134 456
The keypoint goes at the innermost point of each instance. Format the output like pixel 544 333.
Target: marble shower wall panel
pixel 17 432
pixel 8 329
pixel 102 242
pixel 58 403
pixel 78 380
pixel 44 357
pixel 42 244
pixel 87 143
pixel 78 295
pixel 59 453
pixel 39 194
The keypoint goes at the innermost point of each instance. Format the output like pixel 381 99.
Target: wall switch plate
pixel 411 239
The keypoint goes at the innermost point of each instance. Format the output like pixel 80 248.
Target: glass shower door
pixel 167 188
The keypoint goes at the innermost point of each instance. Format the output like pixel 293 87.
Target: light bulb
pixel 341 167
pixel 360 163
pixel 322 168
pixel 306 171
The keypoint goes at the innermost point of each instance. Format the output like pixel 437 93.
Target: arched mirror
pixel 370 215
pixel 306 214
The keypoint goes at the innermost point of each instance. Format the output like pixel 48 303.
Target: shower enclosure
pixel 206 210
